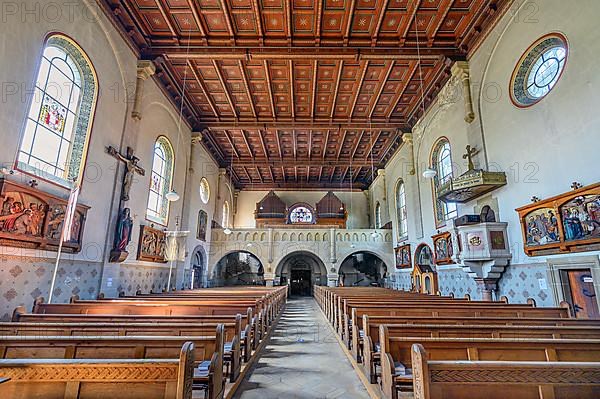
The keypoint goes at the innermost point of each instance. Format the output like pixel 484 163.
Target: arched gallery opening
pixel 301 270
pixel 362 269
pixel 238 268
pixel 198 270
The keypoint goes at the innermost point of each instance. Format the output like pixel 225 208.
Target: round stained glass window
pixel 539 70
pixel 204 190
pixel 301 214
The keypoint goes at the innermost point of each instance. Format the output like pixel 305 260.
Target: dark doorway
pixel 300 283
pixel 581 293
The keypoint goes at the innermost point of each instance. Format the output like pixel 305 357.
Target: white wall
pixel 542 149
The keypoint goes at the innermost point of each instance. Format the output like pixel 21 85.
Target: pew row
pixel 502 379
pixel 100 378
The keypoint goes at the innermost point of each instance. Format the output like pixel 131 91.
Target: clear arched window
pixel 225 221
pixel 442 162
pixel 378 215
pixel 401 214
pixel 160 181
pixel 57 128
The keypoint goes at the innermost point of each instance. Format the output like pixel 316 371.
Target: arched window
pixel 225 221
pixel 401 210
pixel 160 181
pixel 57 129
pixel 441 159
pixel 377 215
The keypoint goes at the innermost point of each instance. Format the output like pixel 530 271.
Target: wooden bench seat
pixel 396 363
pixel 502 379
pixel 371 354
pixel 232 356
pixel 207 351
pixel 99 378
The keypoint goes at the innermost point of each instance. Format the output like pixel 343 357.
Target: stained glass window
pixel 57 127
pixel 204 190
pixel 225 221
pixel 378 215
pixel 539 70
pixel 301 214
pixel 442 162
pixel 401 210
pixel 160 181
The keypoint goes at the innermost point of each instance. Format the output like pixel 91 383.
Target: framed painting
pixel 569 222
pixel 403 260
pixel 202 225
pixel 442 244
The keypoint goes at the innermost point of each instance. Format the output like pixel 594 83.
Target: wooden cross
pixel 131 168
pixel 469 156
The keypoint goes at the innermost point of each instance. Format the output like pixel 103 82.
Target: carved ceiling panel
pixel 303 93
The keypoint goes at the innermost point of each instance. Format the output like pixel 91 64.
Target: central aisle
pixel 302 360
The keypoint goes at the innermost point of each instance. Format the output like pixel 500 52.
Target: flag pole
pixel 67 224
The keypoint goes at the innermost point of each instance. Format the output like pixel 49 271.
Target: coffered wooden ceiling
pixel 303 93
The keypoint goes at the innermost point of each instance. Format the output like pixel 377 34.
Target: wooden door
pixel 583 294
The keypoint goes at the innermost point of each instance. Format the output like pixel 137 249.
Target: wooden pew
pixel 371 354
pixel 500 380
pixel 207 352
pixel 93 378
pixel 396 363
pixel 232 354
pixel 249 336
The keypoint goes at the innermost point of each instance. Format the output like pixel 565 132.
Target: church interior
pixel 299 199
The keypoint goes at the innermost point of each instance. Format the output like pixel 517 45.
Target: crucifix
pixel 469 156
pixel 131 168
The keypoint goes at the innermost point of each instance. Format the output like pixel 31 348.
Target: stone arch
pixel 309 237
pixel 293 237
pixel 263 237
pixel 276 236
pixel 238 267
pixel 363 268
pixel 317 237
pixel 301 237
pixel 196 276
pixel 293 266
pixel 284 237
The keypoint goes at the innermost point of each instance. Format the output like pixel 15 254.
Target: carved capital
pixel 408 138
pixel 197 138
pixel 145 69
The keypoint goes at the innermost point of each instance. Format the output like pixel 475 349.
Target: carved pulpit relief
pixel 145 69
pixel 131 169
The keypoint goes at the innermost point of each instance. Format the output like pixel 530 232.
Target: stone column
pixel 332 246
pixel 270 248
pixel 368 195
pixel 145 69
pixel 460 70
pixel 488 287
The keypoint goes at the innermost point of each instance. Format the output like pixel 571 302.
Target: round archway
pixel 362 269
pixel 238 268
pixel 301 270
pixel 198 271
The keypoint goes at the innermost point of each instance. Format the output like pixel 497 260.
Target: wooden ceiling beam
pixel 440 16
pixel 314 89
pixel 341 143
pixel 269 88
pixel 167 17
pixel 224 85
pixel 263 144
pixel 314 186
pixel 379 22
pixel 209 99
pixel 372 142
pixel 278 143
pixel 412 11
pixel 362 123
pixel 375 99
pixel 298 53
pixel 364 67
pixel 362 134
pixel 258 17
pixel 326 143
pixel 318 22
pixel 245 168
pixel 310 139
pixel 413 66
pixel 292 102
pixel 358 171
pixel 227 16
pixel 259 175
pixel 247 87
pixel 247 143
pixel 308 174
pixel 301 162
pixel 337 87
pixel 193 5
pixel 271 173
pixel 349 22
pixel 233 148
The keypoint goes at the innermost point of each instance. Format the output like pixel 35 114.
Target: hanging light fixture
pixel 172 196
